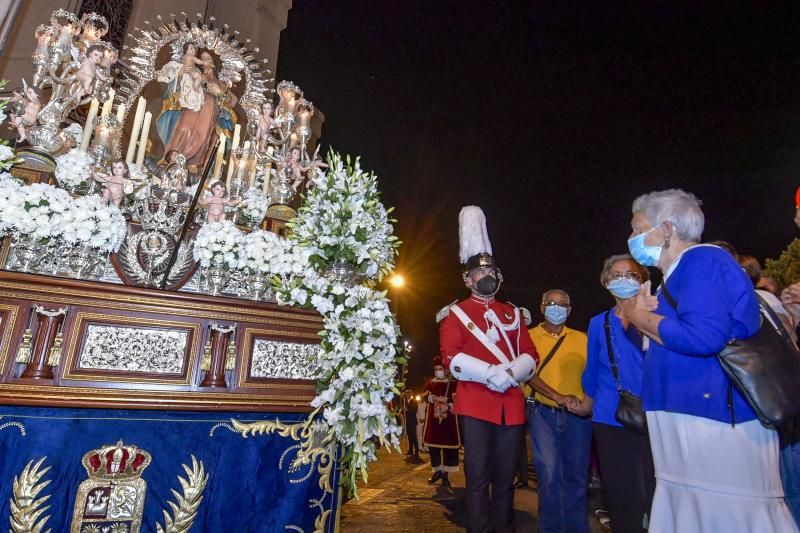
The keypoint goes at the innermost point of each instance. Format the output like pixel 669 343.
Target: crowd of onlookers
pixel 679 447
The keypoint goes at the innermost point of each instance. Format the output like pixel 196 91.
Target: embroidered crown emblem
pixel 116 462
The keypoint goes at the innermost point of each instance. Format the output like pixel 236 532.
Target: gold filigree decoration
pixel 28 511
pixel 319 523
pixel 313 445
pixel 316 443
pixel 184 508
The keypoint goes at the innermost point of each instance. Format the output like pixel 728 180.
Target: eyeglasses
pixel 626 275
pixel 548 303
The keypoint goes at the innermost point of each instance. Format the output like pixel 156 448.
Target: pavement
pixel 398 498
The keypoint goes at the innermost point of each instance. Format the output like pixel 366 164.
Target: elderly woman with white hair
pixel 716 465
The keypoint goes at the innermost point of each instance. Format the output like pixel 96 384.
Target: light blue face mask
pixel 556 314
pixel 642 253
pixel 623 288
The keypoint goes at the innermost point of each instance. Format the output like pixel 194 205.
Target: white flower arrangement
pixel 9 194
pixel 342 219
pixel 74 168
pixel 220 243
pixel 254 205
pixel 37 210
pixel 45 212
pixel 264 252
pixel 96 224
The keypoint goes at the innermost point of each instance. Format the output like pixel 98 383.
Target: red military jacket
pixel 475 399
pixel 441 425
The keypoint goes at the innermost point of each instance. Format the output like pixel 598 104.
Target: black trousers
pixel 490 460
pixel 626 466
pixel 444 459
pixel 411 433
pixel 522 456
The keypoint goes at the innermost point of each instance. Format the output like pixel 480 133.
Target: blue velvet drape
pixel 249 488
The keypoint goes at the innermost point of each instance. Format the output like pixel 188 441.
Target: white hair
pixel 678 207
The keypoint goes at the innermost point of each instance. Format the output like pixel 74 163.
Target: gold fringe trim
pixel 24 350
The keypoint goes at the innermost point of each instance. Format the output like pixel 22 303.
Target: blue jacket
pixel 716 303
pixel 598 381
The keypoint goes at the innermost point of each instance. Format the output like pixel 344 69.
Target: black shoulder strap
pixel 611 358
pixel 668 297
pixel 552 352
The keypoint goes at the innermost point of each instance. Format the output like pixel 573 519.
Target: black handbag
pixel 629 409
pixel 765 368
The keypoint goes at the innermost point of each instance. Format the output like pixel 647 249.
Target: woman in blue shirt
pixel 716 465
pixel 625 460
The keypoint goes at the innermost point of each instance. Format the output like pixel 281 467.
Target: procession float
pixel 192 338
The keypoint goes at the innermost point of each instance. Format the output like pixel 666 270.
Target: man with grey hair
pixel 561 439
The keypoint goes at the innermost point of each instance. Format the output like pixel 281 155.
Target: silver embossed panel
pixel 131 349
pixel 285 360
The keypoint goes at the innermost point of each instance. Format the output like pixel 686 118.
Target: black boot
pixel 445 480
pixel 435 477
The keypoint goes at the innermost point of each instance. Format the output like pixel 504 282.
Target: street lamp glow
pixel 397 281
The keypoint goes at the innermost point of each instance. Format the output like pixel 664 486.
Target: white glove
pixel 522 367
pixel 499 379
pixel 467 368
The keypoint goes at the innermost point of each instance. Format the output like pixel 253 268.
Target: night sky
pixel 553 117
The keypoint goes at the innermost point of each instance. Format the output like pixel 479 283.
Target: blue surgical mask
pixel 556 314
pixel 642 253
pixel 623 288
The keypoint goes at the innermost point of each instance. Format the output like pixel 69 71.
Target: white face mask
pixel 439 374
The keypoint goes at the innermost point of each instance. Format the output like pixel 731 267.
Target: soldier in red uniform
pixel 487 348
pixel 441 434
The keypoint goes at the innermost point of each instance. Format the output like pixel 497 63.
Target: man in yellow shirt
pixel 561 440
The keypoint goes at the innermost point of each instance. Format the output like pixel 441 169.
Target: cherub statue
pixel 115 182
pixel 88 70
pixel 295 169
pixel 217 202
pixel 28 104
pixel 265 124
pixel 103 78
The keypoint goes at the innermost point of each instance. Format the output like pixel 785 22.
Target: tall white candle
pixel 237 131
pixel 120 114
pixel 268 170
pixel 137 123
pixel 143 138
pixel 89 126
pixel 108 103
pixel 220 156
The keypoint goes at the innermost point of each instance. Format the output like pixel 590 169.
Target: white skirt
pixel 714 478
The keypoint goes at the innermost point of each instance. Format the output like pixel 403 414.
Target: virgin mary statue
pixel 188 114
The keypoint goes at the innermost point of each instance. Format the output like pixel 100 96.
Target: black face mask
pixel 486 286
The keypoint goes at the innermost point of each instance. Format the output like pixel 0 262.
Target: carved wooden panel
pixel 130 347
pixel 269 357
pixel 105 347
